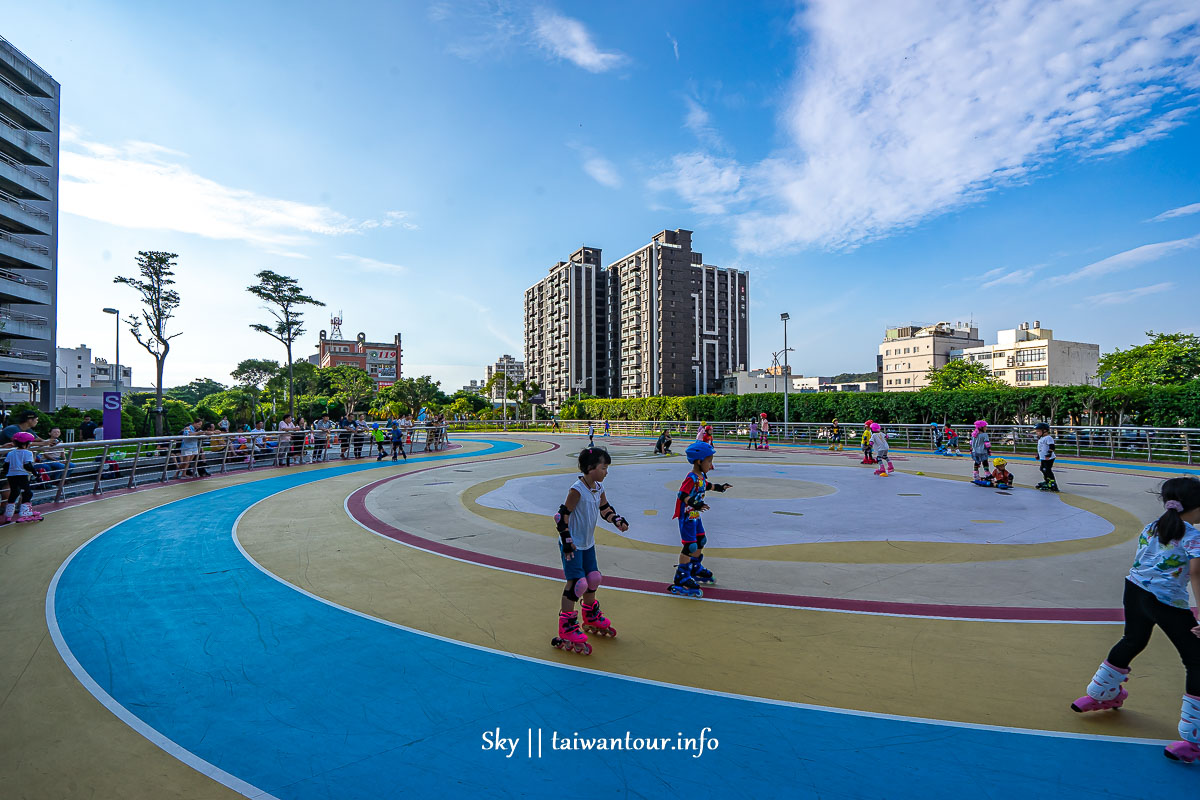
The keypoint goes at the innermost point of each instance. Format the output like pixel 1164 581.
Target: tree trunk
pixel 158 395
pixel 291 395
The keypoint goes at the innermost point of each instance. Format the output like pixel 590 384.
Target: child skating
pixel 868 458
pixel 981 449
pixel 753 433
pixel 879 450
pixel 952 440
pixel 1045 449
pixel 764 432
pixel 1156 593
pixel 689 503
pixel 835 435
pixel 576 523
pixel 1001 477
pixel 18 465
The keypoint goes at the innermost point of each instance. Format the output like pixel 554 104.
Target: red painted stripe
pixel 356 504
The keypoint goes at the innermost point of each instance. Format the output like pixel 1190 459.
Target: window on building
pixel 1038 374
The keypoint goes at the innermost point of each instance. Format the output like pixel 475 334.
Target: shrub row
pixel 1158 406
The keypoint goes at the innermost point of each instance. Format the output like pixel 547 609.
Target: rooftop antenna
pixel 335 326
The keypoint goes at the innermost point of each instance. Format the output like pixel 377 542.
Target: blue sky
pixel 418 165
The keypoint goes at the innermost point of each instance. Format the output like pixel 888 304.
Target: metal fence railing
pixel 1126 443
pixel 75 469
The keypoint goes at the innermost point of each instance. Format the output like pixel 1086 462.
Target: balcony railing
pixel 21 279
pixel 21 240
pixel 37 140
pixel 17 165
pixel 21 316
pixel 32 66
pixel 37 104
pixel 28 355
pixel 28 209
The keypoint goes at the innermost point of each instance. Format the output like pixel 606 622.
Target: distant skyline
pixel 418 165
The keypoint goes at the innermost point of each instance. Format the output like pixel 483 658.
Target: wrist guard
pixel 563 525
pixel 720 487
pixel 610 515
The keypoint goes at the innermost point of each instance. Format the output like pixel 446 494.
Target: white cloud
pixel 372 265
pixel 708 183
pixel 602 171
pixel 901 111
pixel 1127 295
pixel 1126 260
pixel 1003 277
pixel 568 38
pixel 142 185
pixel 1182 211
pixel 698 121
pixel 674 44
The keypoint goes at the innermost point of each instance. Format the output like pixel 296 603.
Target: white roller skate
pixel 1187 750
pixel 1105 691
pixel 10 509
pixel 28 514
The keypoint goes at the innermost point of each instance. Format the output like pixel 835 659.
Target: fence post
pixel 133 470
pixel 100 472
pixel 62 479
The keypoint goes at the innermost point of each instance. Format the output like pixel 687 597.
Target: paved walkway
pixel 370 630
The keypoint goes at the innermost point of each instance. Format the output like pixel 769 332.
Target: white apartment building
pixel 750 381
pixel 908 352
pixel 76 369
pixel 506 365
pixel 1031 356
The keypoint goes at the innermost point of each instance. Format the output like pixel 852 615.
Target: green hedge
pixel 1158 406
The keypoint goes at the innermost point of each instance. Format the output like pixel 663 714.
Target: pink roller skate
pixel 881 471
pixel 1187 750
pixel 891 469
pixel 569 636
pixel 1105 691
pixel 28 514
pixel 596 623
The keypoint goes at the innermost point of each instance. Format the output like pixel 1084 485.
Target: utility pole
pixel 787 378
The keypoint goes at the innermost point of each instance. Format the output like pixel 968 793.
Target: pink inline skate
pixel 596 623
pixel 28 514
pixel 569 636
pixel 1105 691
pixel 881 472
pixel 891 468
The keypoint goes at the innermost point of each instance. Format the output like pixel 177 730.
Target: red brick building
pixel 380 360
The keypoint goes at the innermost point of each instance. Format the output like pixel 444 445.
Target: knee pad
pixel 701 541
pixel 689 548
pixel 1106 684
pixel 593 580
pixel 572 592
pixel 580 587
pixel 1189 719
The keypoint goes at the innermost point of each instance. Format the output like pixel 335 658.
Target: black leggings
pixel 1142 612
pixel 1047 466
pixel 18 486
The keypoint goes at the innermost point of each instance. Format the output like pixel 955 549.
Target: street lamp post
pixel 787 374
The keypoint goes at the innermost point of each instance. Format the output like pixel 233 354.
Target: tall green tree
pixel 306 379
pixel 284 301
pixel 414 393
pixel 252 373
pixel 1168 359
pixel 195 391
pixel 960 374
pixel 159 301
pixel 350 384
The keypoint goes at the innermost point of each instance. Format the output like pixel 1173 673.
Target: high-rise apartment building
pixel 909 352
pixel 512 370
pixel 658 321
pixel 1031 356
pixel 567 328
pixel 29 128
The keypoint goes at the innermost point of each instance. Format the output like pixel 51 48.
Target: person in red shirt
pixel 689 503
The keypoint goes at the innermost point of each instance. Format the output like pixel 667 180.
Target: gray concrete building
pixel 509 371
pixel 29 133
pixel 658 321
pixel 568 329
pixel 908 352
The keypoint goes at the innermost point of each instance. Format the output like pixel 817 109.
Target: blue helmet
pixel 698 451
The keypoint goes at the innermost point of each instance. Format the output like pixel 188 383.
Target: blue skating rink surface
pixel 279 694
